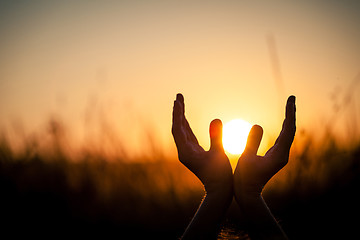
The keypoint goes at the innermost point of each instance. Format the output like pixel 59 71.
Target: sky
pixel 114 67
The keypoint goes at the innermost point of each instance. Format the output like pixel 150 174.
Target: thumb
pixel 254 139
pixel 216 135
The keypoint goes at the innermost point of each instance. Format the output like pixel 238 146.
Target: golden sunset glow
pixel 235 135
pixel 120 65
pixel 90 111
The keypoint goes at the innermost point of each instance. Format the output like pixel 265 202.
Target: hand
pixel 211 167
pixel 252 171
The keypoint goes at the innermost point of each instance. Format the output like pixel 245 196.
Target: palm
pixel 211 167
pixel 255 171
pixel 252 171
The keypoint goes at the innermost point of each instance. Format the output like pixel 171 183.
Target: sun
pixel 235 135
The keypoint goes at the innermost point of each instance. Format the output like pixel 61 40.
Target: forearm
pixel 206 222
pixel 261 223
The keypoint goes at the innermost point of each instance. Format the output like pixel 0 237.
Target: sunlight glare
pixel 235 135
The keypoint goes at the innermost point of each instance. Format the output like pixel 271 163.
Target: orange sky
pixel 122 63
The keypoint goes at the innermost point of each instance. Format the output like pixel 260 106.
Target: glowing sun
pixel 235 135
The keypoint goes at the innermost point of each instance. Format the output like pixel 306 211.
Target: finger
pixel 287 134
pixel 178 113
pixel 254 139
pixel 180 101
pixel 190 134
pixel 177 121
pixel 216 135
pixel 180 97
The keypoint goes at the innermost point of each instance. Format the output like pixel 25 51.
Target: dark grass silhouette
pixel 50 194
pixel 41 197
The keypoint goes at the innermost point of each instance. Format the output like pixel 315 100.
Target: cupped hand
pixel 211 167
pixel 252 171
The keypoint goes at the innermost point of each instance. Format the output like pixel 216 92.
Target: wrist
pixel 249 200
pixel 220 194
pixel 261 224
pixel 224 189
pixel 247 194
pixel 213 208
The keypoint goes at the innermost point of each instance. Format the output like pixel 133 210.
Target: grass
pixel 42 194
pixel 50 194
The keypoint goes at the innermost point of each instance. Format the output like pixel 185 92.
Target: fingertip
pixel 257 130
pixel 176 106
pixel 215 128
pixel 290 107
pixel 291 99
pixel 254 140
pixel 180 97
pixel 216 134
pixel 216 122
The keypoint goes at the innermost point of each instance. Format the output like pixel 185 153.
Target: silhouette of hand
pixel 252 171
pixel 211 167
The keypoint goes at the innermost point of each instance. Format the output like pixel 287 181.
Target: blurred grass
pixel 47 192
pixel 51 192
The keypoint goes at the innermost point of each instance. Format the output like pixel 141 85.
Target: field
pixel 51 194
pixel 86 101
